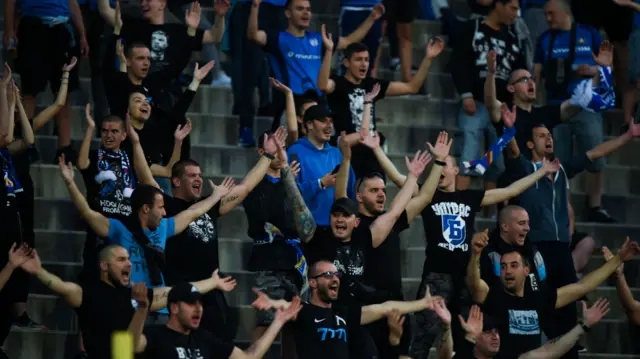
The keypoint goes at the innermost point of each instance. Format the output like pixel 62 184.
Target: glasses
pixel 327 275
pixel 524 80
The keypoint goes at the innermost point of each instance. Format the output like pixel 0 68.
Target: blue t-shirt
pixel 588 41
pixel 119 234
pixel 296 61
pixel 44 8
pixel 359 3
pixel 636 16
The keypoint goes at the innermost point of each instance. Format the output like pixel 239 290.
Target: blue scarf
pixel 11 183
pixel 105 174
pixel 274 234
pixel 481 165
pixel 595 98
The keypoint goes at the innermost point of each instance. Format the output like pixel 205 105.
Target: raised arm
pixel 215 34
pixel 342 177
pixel 48 113
pixel 107 12
pixel 143 171
pixel 396 88
pixel 490 97
pixel 253 32
pixel 290 110
pixel 373 142
pixel 502 194
pixel 27 139
pixel 140 294
pixel 372 313
pixel 478 288
pixel 363 29
pixel 628 3
pixel 271 147
pixel 99 223
pixel 325 83
pixel 179 135
pixel 192 213
pixel 4 104
pixel 572 292
pixel 605 148
pixel 444 350
pixel 382 226
pixel 83 161
pixel 629 304
pixel 18 255
pixel 11 104
pixel 559 346
pixel 424 197
pixel 71 292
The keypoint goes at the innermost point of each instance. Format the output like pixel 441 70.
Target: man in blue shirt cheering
pixel 564 57
pixel 296 54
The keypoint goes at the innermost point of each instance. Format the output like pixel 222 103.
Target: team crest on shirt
pixel 313 42
pixel 454 226
pixel 581 41
pixel 290 54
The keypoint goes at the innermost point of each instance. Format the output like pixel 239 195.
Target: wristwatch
pixel 584 326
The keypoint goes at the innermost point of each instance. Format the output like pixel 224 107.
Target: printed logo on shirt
pixel 454 226
pixel 313 42
pixel 564 50
pixel 349 260
pixel 330 333
pixel 188 353
pixel 356 108
pixel 202 229
pixel 524 322
pixel 159 43
pixel 482 45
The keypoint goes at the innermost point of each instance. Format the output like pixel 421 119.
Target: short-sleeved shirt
pixel 119 234
pixel 588 41
pixel 322 332
pixel 522 318
pixel 166 343
pixel 449 226
pixel 104 309
pixel 44 8
pixel 296 61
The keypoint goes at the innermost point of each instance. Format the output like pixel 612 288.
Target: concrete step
pixel 36 344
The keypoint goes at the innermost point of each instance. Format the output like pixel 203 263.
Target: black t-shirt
pixel 322 332
pixel 193 254
pixel 347 103
pixel 522 318
pixel 271 223
pixel 449 226
pixel 168 43
pixel 384 264
pixel 106 195
pixel 166 343
pixel 104 309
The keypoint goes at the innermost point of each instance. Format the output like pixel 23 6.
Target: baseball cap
pixel 490 323
pixel 344 205
pixel 316 112
pixel 184 292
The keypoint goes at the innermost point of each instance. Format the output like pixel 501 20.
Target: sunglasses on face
pixel 327 275
pixel 524 80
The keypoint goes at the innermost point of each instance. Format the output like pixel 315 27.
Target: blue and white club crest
pixel 313 42
pixel 454 229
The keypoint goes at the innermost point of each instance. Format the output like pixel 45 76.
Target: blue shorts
pixel 587 128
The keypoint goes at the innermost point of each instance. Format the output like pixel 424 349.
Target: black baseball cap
pixel 184 292
pixel 344 205
pixel 489 323
pixel 316 112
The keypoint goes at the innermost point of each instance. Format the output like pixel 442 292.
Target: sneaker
pixel 246 139
pixel 70 155
pixel 581 349
pixel 600 215
pixel 223 80
pixel 25 322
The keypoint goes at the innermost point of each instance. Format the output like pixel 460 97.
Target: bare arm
pixel 629 304
pixel 6 273
pixel 52 110
pixel 490 97
pixel 372 313
pixel 444 350
pixel 190 214
pixel 572 292
pixel 502 194
pixel 241 191
pixel 325 83
pixel 27 132
pixel 165 171
pixel 256 35
pixel 108 13
pixel 215 34
pixel 76 16
pixel 382 226
pixel 478 288
pixel 137 326
pixel 361 31
pixel 605 148
pixel 556 347
pixel 71 292
pixel 83 160
pixel 305 224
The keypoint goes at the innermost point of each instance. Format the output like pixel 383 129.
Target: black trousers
pixel 560 272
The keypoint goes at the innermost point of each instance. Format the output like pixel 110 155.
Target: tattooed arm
pixel 71 292
pixel 305 224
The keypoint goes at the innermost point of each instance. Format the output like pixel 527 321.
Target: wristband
pixel 440 163
pixel 269 156
pixel 368 102
pixel 584 326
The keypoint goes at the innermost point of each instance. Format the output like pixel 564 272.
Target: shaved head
pixel 107 252
pixel 507 213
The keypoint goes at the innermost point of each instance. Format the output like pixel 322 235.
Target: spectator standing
pixel 630 99
pixel 400 15
pixel 470 63
pixel 50 33
pixel 296 52
pixel 564 57
pixel 352 14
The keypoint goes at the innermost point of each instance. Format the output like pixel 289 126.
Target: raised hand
pixel 623 2
pixel 550 167
pixel 605 55
pixel 508 116
pixel 327 40
pixel 257 2
pixel 473 325
pixel 68 67
pixel 199 73
pixel 285 315
pixel 343 144
pixel 33 264
pixel 435 47
pixel 183 131
pixel 262 302
pixel 492 61
pixel 443 145
pixel 120 51
pixel 18 255
pixel 140 294
pixel 634 129
pixel 371 96
pixel 91 124
pixel 279 85
pixel 192 15
pixel 6 75
pixel 11 93
pixel 226 284
pixel 419 162
pixel 66 170
pixel 224 188
pixel 598 310
pixel 221 7
pixel 131 132
pixel 295 168
pixel 372 142
pixel 440 308
pixel 118 16
pixel 479 241
pixel 628 250
pixel 606 252
pixel 270 145
pixel 429 300
pixel 377 12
